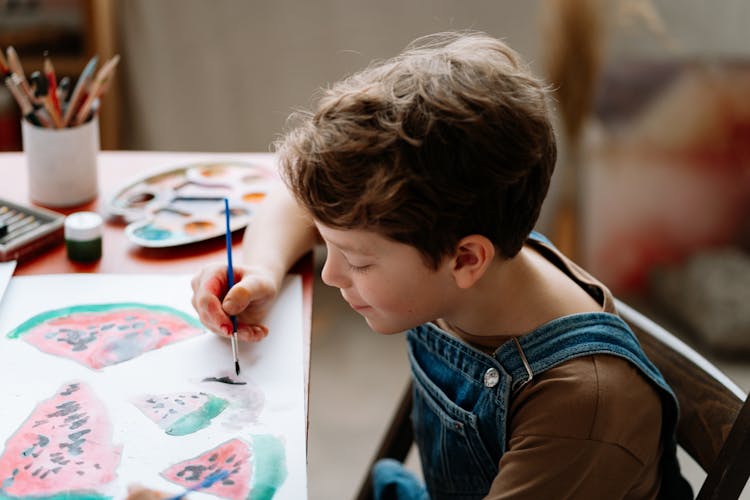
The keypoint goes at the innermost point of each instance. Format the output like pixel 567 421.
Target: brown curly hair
pixel 450 138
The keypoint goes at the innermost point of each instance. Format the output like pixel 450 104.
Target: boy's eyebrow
pixel 350 248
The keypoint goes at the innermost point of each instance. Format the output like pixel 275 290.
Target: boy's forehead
pixel 350 240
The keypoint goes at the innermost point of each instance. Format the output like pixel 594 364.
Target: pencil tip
pixel 237 367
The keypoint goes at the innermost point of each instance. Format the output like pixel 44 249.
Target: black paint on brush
pixel 224 380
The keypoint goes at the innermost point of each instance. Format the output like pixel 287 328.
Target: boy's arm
pixel 279 234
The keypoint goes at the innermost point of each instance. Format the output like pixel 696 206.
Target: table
pixel 119 255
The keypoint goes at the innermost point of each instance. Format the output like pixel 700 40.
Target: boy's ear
pixel 474 253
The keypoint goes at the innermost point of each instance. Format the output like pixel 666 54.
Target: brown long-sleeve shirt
pixel 588 428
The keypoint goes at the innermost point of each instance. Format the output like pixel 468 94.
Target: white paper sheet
pixel 6 271
pixel 272 402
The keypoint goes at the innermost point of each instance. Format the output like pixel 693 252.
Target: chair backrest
pixel 714 425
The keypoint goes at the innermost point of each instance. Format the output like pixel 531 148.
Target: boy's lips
pixel 358 308
pixel 354 306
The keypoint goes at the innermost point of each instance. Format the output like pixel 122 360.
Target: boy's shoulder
pixel 601 397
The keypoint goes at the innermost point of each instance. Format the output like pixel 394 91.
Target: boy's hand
pixel 249 300
pixel 139 493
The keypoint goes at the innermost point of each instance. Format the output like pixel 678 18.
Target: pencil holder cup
pixel 62 163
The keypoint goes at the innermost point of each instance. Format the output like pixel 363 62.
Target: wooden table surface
pixel 119 255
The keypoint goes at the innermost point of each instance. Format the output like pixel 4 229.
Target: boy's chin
pixel 385 329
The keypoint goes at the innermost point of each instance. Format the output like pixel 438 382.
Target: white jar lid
pixel 83 226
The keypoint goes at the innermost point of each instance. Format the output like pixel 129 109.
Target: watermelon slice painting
pixel 256 469
pixel 62 450
pixel 181 414
pixel 100 335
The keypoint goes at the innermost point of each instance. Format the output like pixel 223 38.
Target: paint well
pixel 253 197
pixel 199 226
pixel 149 232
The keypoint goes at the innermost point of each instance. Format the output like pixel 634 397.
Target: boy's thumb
pixel 241 296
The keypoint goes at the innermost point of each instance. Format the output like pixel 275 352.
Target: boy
pixel 424 175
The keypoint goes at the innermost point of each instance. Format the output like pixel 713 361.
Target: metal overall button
pixel 491 377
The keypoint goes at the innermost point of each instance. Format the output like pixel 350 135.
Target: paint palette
pixel 183 205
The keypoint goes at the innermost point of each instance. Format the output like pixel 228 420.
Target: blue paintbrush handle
pixel 230 269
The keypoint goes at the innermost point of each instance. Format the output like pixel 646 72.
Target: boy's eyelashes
pixel 359 269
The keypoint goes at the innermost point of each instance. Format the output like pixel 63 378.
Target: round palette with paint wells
pixel 183 205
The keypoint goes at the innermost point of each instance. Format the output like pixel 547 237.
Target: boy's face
pixel 386 282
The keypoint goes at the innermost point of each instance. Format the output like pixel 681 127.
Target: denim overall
pixel 462 397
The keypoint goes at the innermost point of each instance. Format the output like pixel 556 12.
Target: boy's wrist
pixel 274 272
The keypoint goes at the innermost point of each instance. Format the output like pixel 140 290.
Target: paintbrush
pixel 82 84
pixel 230 279
pixel 206 483
pixel 96 88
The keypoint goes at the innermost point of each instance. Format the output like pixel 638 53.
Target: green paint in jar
pixel 83 236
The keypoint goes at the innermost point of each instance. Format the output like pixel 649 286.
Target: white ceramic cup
pixel 61 163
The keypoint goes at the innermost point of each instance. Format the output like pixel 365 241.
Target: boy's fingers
pixel 241 295
pixel 212 280
pixel 252 333
pixel 210 312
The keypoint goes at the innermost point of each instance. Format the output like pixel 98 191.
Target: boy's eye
pixel 359 269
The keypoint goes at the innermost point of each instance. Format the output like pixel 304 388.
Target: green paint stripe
pixel 68 495
pixel 40 318
pixel 198 419
pixel 269 468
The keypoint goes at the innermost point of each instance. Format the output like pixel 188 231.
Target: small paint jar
pixel 83 236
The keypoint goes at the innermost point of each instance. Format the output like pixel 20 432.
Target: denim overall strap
pixel 573 336
pixel 598 333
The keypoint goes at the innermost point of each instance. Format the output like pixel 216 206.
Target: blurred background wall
pixel 224 74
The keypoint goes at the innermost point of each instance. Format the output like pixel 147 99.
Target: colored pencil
pixel 84 80
pixel 47 103
pixel 41 92
pixel 4 68
pixel 49 72
pixel 63 90
pixel 27 110
pixel 96 88
pixel 14 63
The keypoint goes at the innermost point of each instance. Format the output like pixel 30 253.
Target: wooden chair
pixel 714 426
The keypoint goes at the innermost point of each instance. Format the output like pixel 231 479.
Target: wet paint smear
pixel 224 380
pixel 99 335
pixel 62 451
pixel 181 414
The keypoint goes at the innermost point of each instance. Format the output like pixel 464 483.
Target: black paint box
pixel 26 231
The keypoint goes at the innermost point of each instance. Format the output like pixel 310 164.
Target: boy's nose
pixel 330 274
